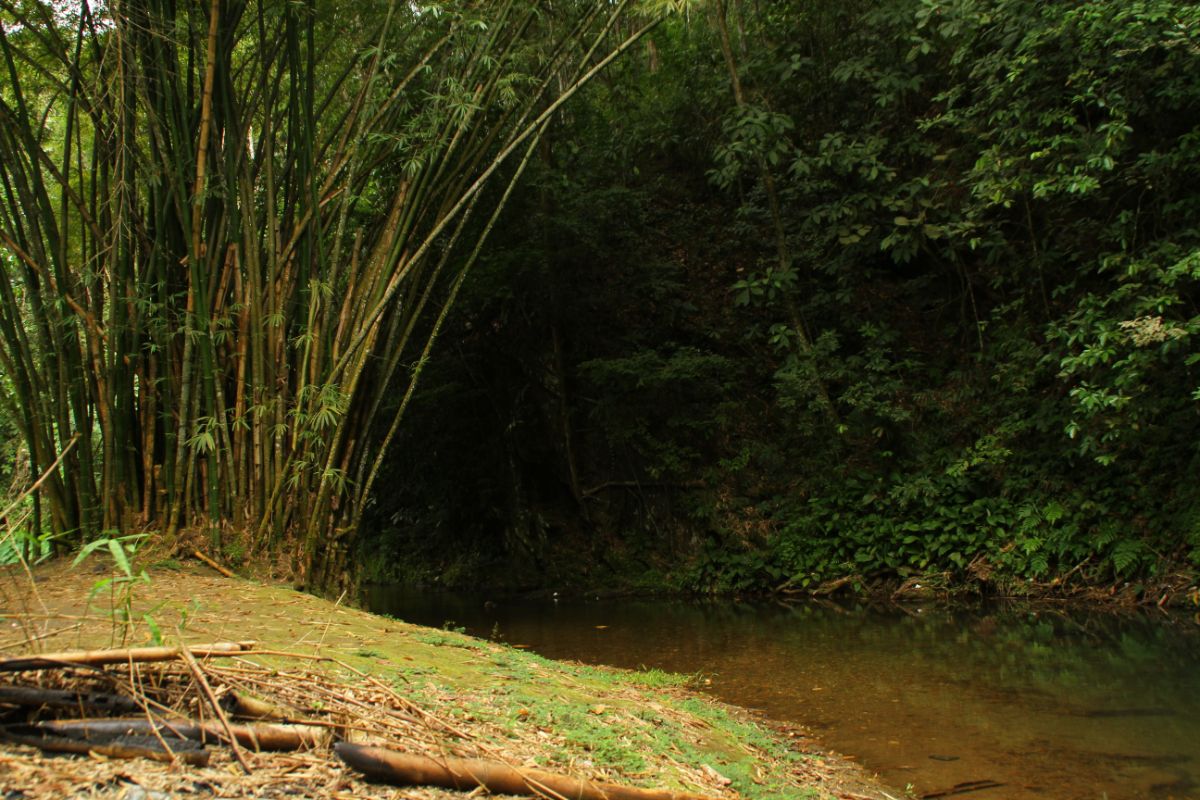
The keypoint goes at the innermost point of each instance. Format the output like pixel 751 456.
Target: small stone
pixel 136 792
pixel 714 775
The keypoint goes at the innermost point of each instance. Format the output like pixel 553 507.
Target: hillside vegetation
pixel 706 295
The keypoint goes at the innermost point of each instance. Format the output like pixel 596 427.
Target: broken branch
pixel 223 570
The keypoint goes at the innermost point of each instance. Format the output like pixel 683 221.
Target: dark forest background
pixel 912 294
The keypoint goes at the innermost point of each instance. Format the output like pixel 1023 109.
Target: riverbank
pixel 645 728
pixel 567 572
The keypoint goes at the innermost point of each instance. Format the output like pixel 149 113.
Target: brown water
pixel 1053 705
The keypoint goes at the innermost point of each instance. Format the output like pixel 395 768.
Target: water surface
pixel 1057 705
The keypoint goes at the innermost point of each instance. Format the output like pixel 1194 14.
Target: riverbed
pixel 1049 703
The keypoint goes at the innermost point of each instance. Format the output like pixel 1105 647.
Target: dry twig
pixel 207 691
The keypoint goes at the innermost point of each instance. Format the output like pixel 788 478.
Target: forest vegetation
pixel 721 295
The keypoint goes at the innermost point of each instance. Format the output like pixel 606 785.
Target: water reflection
pixel 1052 704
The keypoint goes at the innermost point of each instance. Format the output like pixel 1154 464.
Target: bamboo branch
pixel 46 474
pixel 207 691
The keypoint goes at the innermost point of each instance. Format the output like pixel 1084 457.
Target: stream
pixel 1053 703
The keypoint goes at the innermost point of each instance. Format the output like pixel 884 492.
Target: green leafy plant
pixel 123 584
pixel 19 544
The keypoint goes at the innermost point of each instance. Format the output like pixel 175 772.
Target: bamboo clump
pixel 231 232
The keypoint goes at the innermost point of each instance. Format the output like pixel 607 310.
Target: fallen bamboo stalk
pixel 228 573
pixel 135 655
pixel 196 758
pixel 257 736
pixel 59 698
pixel 464 774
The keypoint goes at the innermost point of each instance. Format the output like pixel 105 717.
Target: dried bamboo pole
pixel 210 562
pixel 134 655
pixel 260 736
pixel 196 758
pixel 465 774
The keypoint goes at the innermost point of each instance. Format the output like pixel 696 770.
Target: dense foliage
pixel 823 289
